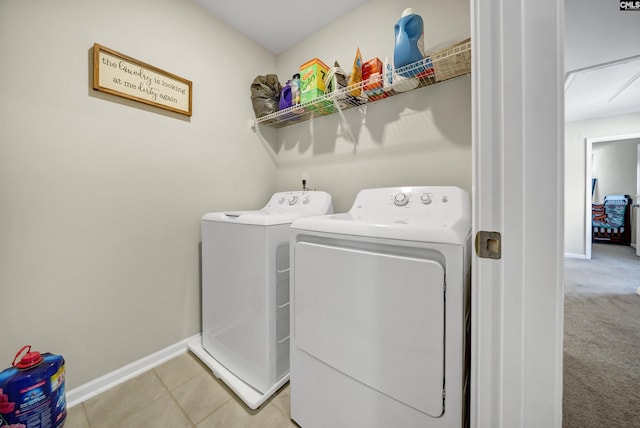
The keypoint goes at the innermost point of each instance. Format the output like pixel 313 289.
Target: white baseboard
pixel 575 256
pixel 97 386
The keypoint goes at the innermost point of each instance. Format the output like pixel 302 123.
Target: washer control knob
pixel 425 198
pixel 306 200
pixel 293 200
pixel 401 199
pixel 281 201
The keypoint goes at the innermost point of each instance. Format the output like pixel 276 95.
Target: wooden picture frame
pixel 121 75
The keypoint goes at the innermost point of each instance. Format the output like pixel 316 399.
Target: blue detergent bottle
pixel 409 47
pixel 32 392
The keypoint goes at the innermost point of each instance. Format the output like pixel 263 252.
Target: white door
pixel 517 301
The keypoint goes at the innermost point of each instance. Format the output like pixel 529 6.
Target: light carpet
pixel 601 373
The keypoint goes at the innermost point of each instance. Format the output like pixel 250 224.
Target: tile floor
pixel 180 393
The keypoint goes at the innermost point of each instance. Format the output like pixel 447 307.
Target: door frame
pixel 518 191
pixel 589 141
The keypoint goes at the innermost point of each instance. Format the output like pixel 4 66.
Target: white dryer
pixel 245 293
pixel 380 310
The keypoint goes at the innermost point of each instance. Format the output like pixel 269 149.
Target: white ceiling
pixel 597 37
pixel 599 90
pixel 278 24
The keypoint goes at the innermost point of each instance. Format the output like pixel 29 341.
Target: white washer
pixel 245 293
pixel 380 311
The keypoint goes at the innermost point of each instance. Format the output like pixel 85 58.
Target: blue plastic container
pixel 409 47
pixel 286 96
pixel 32 392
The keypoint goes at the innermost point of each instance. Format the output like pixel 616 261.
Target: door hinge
pixel 489 245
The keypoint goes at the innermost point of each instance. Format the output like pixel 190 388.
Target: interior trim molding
pixel 570 75
pixel 112 379
pixel 575 256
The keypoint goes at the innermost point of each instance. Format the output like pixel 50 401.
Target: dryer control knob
pixel 425 198
pixel 401 199
pixel 293 200
pixel 281 201
pixel 306 200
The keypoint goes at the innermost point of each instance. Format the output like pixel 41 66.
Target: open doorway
pixel 601 371
pixel 622 155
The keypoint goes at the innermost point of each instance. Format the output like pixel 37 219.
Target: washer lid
pixel 282 208
pixel 257 217
pixel 424 214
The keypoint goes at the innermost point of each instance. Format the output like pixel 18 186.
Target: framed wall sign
pixel 121 75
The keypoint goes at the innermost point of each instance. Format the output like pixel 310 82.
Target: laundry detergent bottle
pixel 409 47
pixel 32 393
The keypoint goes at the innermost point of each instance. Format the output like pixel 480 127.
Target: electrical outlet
pixel 305 181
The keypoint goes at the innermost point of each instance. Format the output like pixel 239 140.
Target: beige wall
pixel 575 176
pixel 417 138
pixel 615 166
pixel 100 198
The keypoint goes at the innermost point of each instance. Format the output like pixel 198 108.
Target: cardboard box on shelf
pixel 312 74
pixel 372 74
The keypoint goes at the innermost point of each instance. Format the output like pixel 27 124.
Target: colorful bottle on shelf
pixel 290 94
pixel 295 89
pixel 387 83
pixel 409 45
pixel 285 96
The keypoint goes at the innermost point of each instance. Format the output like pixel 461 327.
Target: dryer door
pixel 376 317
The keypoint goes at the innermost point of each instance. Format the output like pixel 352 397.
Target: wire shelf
pixel 446 64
